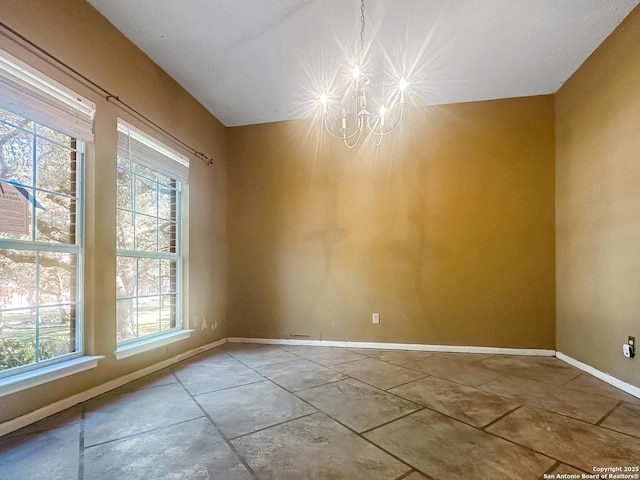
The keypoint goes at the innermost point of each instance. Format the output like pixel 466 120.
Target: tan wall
pixel 449 236
pixel 598 205
pixel 80 36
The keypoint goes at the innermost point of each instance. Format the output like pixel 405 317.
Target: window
pixel 149 225
pixel 41 218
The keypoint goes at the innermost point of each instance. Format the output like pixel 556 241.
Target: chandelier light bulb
pixel 323 101
pixel 403 87
pixel 356 72
pixel 382 111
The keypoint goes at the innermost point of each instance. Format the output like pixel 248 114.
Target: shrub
pixel 15 352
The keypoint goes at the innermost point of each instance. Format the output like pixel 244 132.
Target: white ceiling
pixel 257 61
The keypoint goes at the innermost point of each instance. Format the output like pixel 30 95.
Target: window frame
pixel 36 246
pixel 141 343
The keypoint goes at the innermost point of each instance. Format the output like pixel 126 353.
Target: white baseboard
pixel 605 377
pixel 398 346
pixel 44 412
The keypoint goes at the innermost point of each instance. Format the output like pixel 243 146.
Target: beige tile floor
pixel 248 412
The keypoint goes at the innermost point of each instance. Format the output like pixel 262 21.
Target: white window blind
pixel 27 92
pixel 143 150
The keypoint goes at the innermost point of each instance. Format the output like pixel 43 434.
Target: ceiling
pixel 257 61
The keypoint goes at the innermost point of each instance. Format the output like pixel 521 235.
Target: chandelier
pixel 350 119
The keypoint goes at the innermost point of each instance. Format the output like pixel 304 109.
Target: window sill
pixel 151 343
pixel 33 378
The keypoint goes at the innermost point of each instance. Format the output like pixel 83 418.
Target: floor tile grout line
pixel 137 434
pixel 550 469
pixel 496 420
pixel 238 455
pixel 301 358
pixel 476 428
pixel 81 444
pixel 609 429
pixel 284 422
pixel 451 381
pixel 404 462
pixel 328 366
pixel 564 415
pixel 513 442
pixel 318 364
pixel 608 414
pixel 226 388
pixel 431 409
pixel 267 364
pixel 529 379
pixel 533 405
pixel 557 464
pixel 349 377
pixel 482 384
pixel 411 472
pixel 331 367
pixel 498 372
pixel 314 386
pixel 419 409
pixel 426 375
pixel 571 379
pixel 605 397
pixel 479 388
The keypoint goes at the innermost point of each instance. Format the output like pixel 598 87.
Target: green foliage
pixel 15 352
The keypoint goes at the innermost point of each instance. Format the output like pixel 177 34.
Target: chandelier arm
pixel 352 145
pixel 388 132
pixel 339 137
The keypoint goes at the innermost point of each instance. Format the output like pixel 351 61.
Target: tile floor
pixel 248 412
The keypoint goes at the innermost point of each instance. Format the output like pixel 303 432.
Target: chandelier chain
pixel 362 25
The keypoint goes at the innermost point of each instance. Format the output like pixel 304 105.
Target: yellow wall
pixel 598 205
pixel 447 230
pixel 76 33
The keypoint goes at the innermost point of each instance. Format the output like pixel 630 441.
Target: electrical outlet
pixel 375 318
pixel 629 349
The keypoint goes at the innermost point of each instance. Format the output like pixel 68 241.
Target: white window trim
pixel 146 343
pixel 133 346
pixel 78 249
pixel 49 373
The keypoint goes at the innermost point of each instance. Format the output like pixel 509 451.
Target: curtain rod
pixel 108 96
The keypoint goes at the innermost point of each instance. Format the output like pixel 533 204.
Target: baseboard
pixel 398 346
pixel 605 377
pixel 44 412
